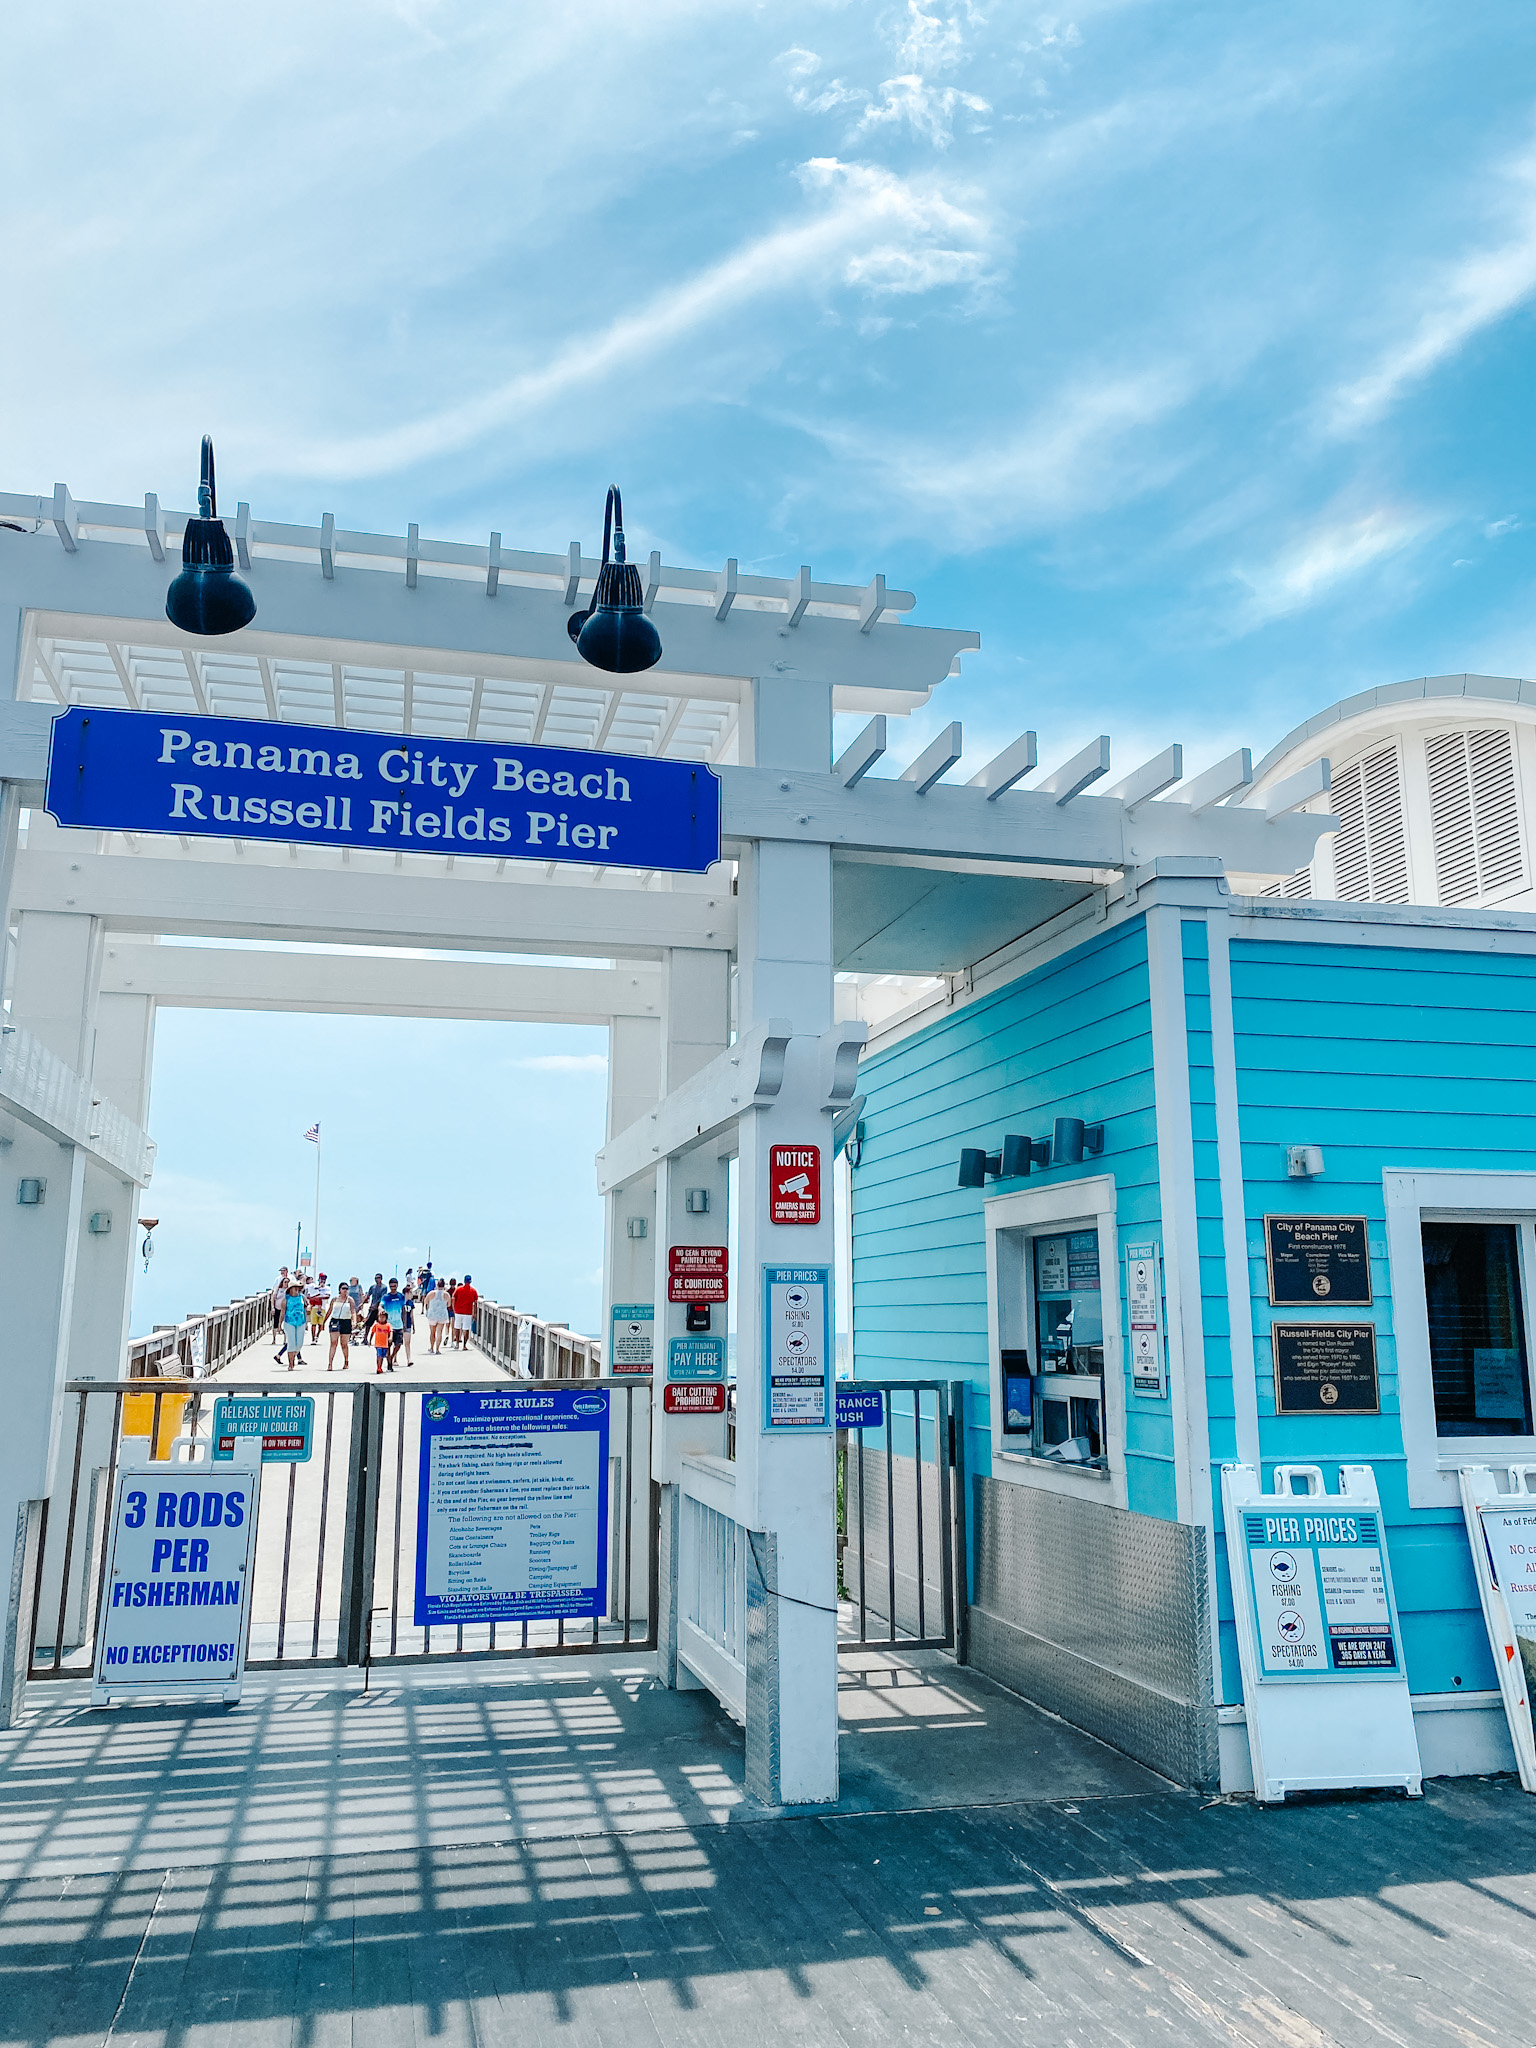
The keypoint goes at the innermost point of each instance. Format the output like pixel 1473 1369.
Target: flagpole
pixel 315 1240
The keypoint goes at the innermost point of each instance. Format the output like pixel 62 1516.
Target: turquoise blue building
pixel 1361 1073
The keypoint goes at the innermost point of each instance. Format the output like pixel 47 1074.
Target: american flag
pixel 313 1134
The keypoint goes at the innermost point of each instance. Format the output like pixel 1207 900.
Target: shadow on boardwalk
pixel 572 1858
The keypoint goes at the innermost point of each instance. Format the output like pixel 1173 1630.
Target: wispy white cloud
pixel 869 229
pixel 928 110
pixel 1313 566
pixel 1458 302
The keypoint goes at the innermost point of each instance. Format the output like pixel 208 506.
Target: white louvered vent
pixel 1474 813
pixel 1370 854
pixel 1299 884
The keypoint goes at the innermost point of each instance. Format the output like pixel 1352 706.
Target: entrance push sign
pixel 242 778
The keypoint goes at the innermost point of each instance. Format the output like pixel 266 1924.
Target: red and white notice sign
pixel 693 1397
pixel 696 1272
pixel 794 1183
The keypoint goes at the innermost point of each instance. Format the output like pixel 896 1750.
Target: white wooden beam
pixel 935 760
pixel 243 534
pixel 476 697
pixel 855 762
pixel 1150 779
pixel 328 546
pixel 412 554
pixel 572 572
pixel 338 693
pixel 1313 780
pixel 1234 773
pixel 66 518
pixel 493 565
pixel 195 678
pixel 1006 768
pixel 652 577
pixel 669 730
pixel 154 526
pixel 799 596
pixel 48 674
pixel 135 703
pixel 725 589
pixel 872 603
pixel 269 686
pixel 1074 776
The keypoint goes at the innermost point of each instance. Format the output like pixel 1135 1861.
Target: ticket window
pixel 1053 1381
pixel 1478 1352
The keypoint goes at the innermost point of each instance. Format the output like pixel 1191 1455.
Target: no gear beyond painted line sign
pixel 246 778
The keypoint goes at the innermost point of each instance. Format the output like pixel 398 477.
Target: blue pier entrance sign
pixel 242 778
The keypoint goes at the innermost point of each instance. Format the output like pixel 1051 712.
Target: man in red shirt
pixel 464 1299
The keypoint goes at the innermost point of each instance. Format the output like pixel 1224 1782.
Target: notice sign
pixel 1144 1316
pixel 630 1330
pixel 693 1397
pixel 794 1183
pixel 1326 1369
pixel 1318 1259
pixel 797 1346
pixel 243 778
pixel 697 1272
pixel 512 1517
pixel 1320 1592
pixel 284 1423
pixel 176 1599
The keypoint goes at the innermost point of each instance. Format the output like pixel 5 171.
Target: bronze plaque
pixel 1326 1369
pixel 1318 1261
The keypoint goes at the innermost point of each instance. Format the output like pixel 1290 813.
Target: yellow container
pixel 139 1415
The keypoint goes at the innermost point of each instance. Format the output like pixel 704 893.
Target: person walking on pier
pixel 317 1294
pixel 392 1308
pixel 380 1335
pixel 438 1313
pixel 295 1319
pixel 465 1298
pixel 341 1328
pixel 279 1302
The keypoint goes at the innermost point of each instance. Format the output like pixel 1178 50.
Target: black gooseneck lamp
pixel 613 633
pixel 208 598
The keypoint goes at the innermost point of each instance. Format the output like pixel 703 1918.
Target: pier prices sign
pixel 176 1601
pixel 241 778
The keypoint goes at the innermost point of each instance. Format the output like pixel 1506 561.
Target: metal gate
pixel 336 1537
pixel 901 1521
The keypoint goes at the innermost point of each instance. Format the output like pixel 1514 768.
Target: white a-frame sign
pixel 1324 1689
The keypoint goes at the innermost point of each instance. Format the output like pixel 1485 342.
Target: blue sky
pixel 1182 350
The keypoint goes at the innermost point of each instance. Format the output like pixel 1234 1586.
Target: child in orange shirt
pixel 381 1335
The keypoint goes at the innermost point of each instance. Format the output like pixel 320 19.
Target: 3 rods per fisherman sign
pixel 243 778
pixel 175 1604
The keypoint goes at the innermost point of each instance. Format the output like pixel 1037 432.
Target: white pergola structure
pixel 729 1028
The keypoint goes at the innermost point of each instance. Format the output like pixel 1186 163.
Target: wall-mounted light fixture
pixel 1303 1162
pixel 636 1226
pixel 31 1192
pixel 101 1223
pixel 696 1201
pixel 1069 1140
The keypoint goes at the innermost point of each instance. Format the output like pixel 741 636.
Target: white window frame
pixel 1087 1204
pixel 1455 1197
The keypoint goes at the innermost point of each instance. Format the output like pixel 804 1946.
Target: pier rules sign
pixel 248 778
pixel 794 1183
pixel 512 1517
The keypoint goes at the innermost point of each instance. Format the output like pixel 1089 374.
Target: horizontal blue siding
pixel 1400 1057
pixel 1072 1038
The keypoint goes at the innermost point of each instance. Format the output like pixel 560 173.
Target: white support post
pixel 786 1495
pixel 696 1029
pixel 54 996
